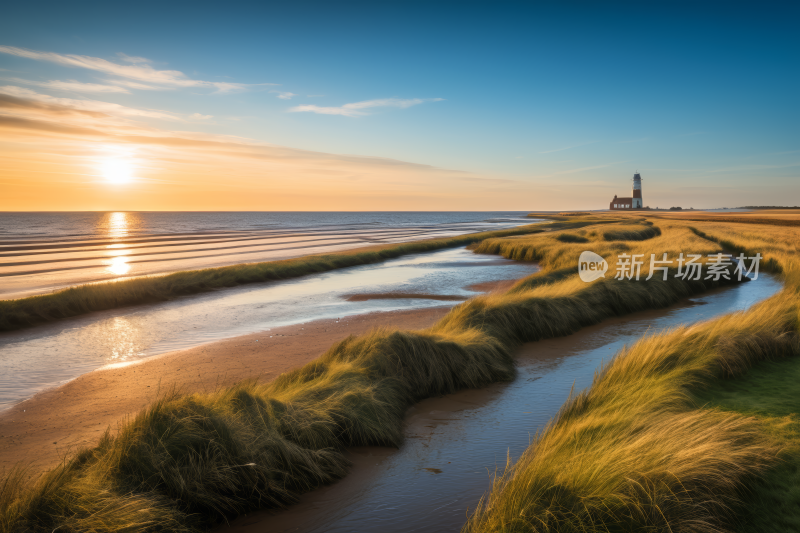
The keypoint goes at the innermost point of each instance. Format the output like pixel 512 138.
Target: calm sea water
pixel 101 224
pixel 41 252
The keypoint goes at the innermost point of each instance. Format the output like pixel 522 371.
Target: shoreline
pixel 41 430
pixel 25 427
pixel 78 300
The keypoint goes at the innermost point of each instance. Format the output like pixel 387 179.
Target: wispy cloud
pixel 357 108
pixel 567 147
pixel 72 85
pixel 10 103
pixel 284 95
pixel 132 59
pixel 198 116
pixel 136 85
pixel 139 70
pixel 106 108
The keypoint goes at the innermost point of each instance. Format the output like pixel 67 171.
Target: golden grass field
pixel 641 450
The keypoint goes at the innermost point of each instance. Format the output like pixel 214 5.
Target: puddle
pixel 39 358
pixel 455 444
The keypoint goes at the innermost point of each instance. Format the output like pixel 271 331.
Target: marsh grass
pixel 189 461
pixel 633 453
pixel 632 233
pixel 663 440
pixel 769 394
pixel 552 253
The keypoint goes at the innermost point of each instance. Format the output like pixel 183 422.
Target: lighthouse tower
pixel 637 192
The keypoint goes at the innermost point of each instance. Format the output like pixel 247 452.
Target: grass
pixel 746 220
pixel 552 253
pixel 767 393
pixel 679 432
pixel 632 453
pixel 26 312
pixel 189 461
pixel 631 233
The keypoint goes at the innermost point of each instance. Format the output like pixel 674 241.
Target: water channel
pixel 42 357
pixel 455 444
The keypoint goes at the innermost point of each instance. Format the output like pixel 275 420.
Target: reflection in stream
pixel 455 444
pixel 35 359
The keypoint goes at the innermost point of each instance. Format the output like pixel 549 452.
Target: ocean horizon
pixel 46 251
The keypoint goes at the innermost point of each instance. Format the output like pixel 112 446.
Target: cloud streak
pixel 73 86
pixel 108 109
pixel 356 109
pixel 284 95
pixel 139 70
pixel 88 119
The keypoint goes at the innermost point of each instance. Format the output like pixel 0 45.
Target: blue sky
pixel 534 106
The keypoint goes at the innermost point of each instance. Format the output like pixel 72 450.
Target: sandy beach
pixel 42 430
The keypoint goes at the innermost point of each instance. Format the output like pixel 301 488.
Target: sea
pixel 41 252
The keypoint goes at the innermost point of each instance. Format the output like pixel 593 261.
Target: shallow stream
pixel 455 444
pixel 39 358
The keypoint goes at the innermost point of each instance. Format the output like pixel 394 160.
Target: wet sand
pixel 403 296
pixel 501 285
pixel 41 430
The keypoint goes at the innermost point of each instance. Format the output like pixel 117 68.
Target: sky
pixel 412 106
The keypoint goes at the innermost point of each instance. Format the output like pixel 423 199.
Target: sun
pixel 116 170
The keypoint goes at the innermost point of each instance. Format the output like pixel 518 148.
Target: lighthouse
pixel 637 192
pixel 634 201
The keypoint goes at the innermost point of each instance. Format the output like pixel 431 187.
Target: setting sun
pixel 117 170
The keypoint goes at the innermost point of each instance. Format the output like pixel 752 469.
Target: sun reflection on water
pixel 118 226
pixel 119 266
pixel 122 334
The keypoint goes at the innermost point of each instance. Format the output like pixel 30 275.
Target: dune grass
pixel 631 233
pixel 767 393
pixel 82 299
pixel 553 253
pixel 676 433
pixel 633 453
pixel 189 461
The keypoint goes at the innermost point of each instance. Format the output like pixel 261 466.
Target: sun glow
pixel 116 170
pixel 117 228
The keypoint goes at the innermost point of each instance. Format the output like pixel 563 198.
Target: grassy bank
pixel 768 393
pixel 26 312
pixel 188 461
pixel 677 433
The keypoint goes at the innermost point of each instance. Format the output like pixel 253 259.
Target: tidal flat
pixel 285 437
